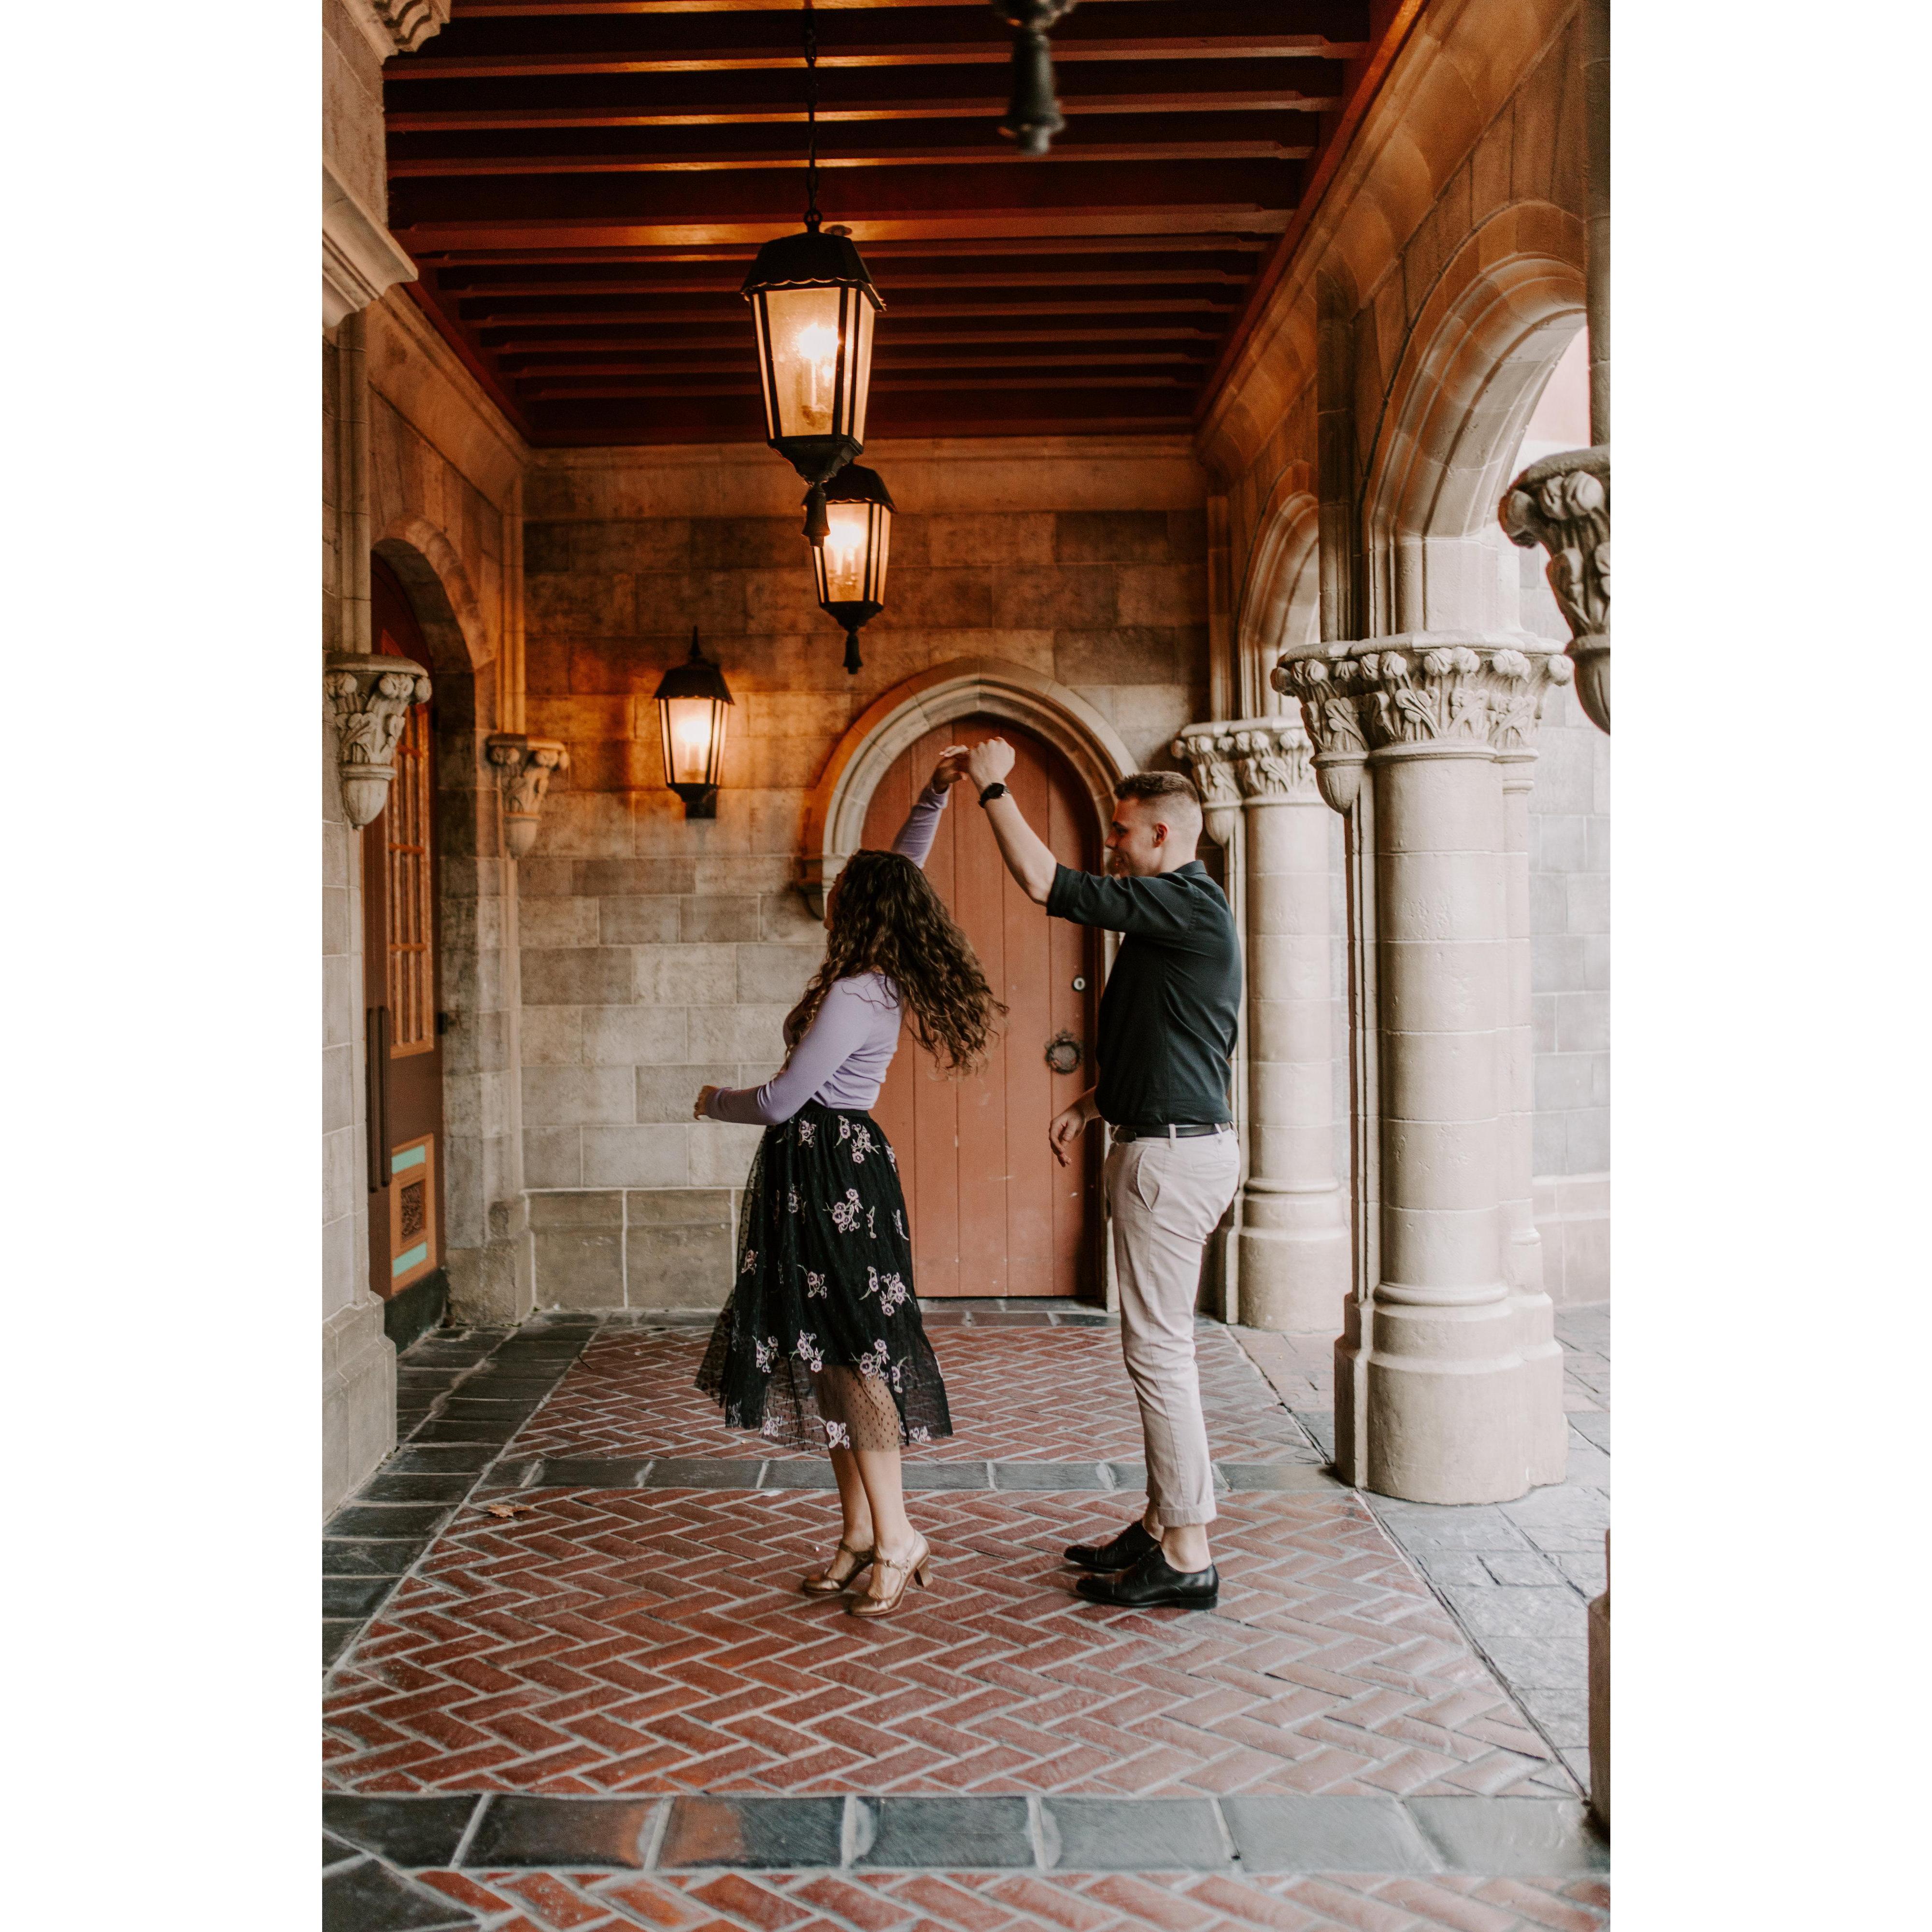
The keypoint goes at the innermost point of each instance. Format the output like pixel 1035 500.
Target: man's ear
pixel 1160 832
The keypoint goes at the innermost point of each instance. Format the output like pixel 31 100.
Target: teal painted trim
pixel 404 1263
pixel 415 1157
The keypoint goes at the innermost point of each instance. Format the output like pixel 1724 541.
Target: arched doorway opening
pixel 402 970
pixel 992 1213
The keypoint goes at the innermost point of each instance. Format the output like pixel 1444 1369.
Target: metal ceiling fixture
pixel 813 303
pixel 1033 114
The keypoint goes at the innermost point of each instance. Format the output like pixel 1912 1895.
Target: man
pixel 1167 1030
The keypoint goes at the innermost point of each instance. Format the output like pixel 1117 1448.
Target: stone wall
pixel 445 476
pixel 658 954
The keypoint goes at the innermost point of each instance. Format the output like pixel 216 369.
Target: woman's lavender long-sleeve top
pixel 842 1060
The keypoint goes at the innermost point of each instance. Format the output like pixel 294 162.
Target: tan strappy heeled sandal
pixel 896 1575
pixel 829 1581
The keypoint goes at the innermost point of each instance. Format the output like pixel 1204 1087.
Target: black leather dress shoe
pixel 1129 1547
pixel 1153 1582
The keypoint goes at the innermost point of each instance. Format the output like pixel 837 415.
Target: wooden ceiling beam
pixel 444 261
pixel 497 325
pixel 412 168
pixel 603 372
pixel 1162 222
pixel 773 198
pixel 532 9
pixel 454 284
pixel 1098 379
pixel 545 120
pixel 1202 46
pixel 560 344
pixel 622 422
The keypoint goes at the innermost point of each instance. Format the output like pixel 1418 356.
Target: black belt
pixel 1190 1131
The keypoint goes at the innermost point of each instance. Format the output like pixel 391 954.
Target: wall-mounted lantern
pixel 813 302
pixel 850 564
pixel 691 700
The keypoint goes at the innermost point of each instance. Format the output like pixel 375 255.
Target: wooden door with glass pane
pixel 992 1212
pixel 404 1095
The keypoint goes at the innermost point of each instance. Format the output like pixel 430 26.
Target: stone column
pixel 1221 807
pixel 1435 1400
pixel 1522 1244
pixel 1292 1250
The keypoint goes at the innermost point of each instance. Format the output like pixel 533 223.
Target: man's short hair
pixel 1159 785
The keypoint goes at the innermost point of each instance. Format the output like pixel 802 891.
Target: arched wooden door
pixel 992 1212
pixel 401 897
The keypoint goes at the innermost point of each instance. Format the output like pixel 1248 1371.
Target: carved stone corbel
pixel 1564 504
pixel 398 26
pixel 1208 752
pixel 370 697
pixel 524 766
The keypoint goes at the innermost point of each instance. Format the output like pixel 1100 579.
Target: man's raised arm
pixel 1024 851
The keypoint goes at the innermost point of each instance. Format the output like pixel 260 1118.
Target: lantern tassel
pixel 854 664
pixel 817 522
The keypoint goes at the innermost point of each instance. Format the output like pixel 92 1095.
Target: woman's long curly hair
pixel 886 918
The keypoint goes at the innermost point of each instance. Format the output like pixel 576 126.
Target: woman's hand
pixel 1068 1127
pixel 950 768
pixel 702 1111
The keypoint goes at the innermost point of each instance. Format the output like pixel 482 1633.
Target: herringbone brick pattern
pixel 1026 1394
pixel 537 1901
pixel 651 1641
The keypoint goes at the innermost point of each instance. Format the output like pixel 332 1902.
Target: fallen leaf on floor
pixel 500 1509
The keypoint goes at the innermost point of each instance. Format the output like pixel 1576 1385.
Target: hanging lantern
pixel 813 303
pixel 850 564
pixel 691 700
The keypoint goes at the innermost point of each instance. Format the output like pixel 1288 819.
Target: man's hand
pixel 1068 1127
pixel 950 768
pixel 988 763
pixel 701 1111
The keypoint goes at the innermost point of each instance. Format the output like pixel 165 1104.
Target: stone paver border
pixel 1544 1837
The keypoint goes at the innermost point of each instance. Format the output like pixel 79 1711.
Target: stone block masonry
pixel 660 954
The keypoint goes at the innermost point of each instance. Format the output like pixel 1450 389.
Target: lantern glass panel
pixel 817 361
pixel 852 563
pixel 692 725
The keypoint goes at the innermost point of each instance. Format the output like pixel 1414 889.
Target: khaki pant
pixel 1166 1198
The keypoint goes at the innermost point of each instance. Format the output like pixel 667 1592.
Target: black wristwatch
pixel 995 789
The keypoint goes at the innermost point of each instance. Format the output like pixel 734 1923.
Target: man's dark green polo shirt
pixel 1169 1015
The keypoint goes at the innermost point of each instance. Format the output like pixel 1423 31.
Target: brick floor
pixel 653 1641
pixel 1040 1394
pixel 1008 1902
pixel 640 1642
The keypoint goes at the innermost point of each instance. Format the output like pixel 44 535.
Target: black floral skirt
pixel 821 1345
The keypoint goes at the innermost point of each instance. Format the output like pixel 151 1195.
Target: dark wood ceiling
pixel 583 183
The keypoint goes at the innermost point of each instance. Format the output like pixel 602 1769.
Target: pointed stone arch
pixel 1280 599
pixel 835 818
pixel 1499 317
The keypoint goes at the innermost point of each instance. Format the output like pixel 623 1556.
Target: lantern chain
pixel 812 216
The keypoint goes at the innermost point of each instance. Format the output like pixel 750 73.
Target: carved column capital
pixel 370 698
pixel 524 766
pixel 1249 761
pixel 1424 690
pixel 1564 504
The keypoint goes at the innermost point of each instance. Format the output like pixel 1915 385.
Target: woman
pixel 821 1345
